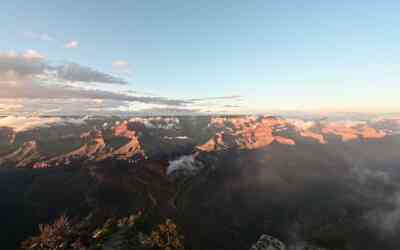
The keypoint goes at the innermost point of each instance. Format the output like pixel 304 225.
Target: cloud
pixel 21 65
pixel 31 64
pixel 231 106
pixel 4 107
pixel 86 106
pixel 56 106
pixel 186 163
pixel 72 44
pixel 231 97
pixel 386 218
pixel 29 76
pixel 120 66
pixel 22 123
pixel 42 91
pixel 38 36
pixel 32 55
pixel 170 111
pixel 77 73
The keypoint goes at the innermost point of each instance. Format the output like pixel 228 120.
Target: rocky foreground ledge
pixel 266 242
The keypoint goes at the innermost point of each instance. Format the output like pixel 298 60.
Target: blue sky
pixel 276 55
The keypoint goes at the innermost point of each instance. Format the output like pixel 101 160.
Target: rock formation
pixel 266 242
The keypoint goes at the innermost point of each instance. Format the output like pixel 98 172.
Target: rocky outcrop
pixel 25 155
pixel 284 140
pixel 352 132
pixel 314 136
pixel 246 133
pixel 96 148
pixel 371 133
pixel 168 137
pixel 255 137
pixel 92 148
pixel 7 136
pixel 266 242
pixel 123 130
pixel 129 150
pixel 391 126
pixel 219 141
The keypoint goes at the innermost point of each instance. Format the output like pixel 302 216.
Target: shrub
pixel 51 236
pixel 165 237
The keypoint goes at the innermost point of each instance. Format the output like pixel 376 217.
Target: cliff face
pixel 258 132
pixel 246 133
pixel 7 136
pixel 348 133
pixel 131 148
pixel 26 155
pixel 93 147
pixel 167 138
pixel 314 136
pixel 224 180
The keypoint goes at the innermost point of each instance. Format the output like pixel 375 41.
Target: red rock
pixel 348 133
pixel 123 130
pixel 284 140
pixel 371 133
pixel 245 133
pixel 312 135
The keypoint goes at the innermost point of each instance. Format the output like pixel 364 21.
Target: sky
pixel 188 57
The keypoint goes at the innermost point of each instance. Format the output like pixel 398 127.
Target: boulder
pixel 266 242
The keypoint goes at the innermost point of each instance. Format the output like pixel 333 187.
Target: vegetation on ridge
pixel 131 232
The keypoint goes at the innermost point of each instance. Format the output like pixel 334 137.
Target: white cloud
pixel 186 163
pixel 4 107
pixel 121 66
pixel 33 54
pixel 22 123
pixel 26 123
pixel 72 44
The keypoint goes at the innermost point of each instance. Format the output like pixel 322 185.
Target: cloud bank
pixel 33 64
pixel 35 85
pixel 21 123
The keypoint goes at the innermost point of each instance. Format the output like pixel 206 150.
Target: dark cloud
pixel 21 65
pixel 46 91
pixel 76 73
pixel 31 63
